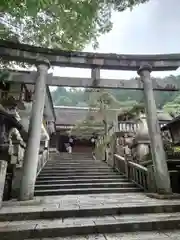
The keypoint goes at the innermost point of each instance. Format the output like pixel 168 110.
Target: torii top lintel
pixel 26 53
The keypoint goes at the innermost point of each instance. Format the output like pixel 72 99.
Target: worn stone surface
pixel 141 236
pixel 166 196
pixel 85 237
pixel 69 215
pixel 174 235
pixel 80 201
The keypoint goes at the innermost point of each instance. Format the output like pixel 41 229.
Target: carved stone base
pixel 16 183
pixel 164 196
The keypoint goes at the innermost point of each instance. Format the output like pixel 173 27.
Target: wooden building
pixel 67 118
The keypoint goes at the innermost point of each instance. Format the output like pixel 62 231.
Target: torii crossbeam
pixel 26 53
pixel 28 77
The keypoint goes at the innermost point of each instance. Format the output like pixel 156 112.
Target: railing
pixel 43 158
pixel 142 176
pixel 125 126
pixel 130 126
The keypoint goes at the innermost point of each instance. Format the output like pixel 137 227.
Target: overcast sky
pixel 150 28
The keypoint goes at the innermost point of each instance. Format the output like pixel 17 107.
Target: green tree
pixel 64 24
pixel 173 107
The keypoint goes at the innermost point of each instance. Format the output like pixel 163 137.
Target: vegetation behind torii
pixel 169 101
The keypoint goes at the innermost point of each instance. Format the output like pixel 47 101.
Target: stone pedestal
pixel 16 182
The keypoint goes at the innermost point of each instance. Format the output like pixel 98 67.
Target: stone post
pixel 34 134
pixel 158 154
pixel 3 170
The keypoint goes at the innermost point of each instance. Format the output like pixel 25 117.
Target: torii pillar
pixel 34 134
pixel 158 154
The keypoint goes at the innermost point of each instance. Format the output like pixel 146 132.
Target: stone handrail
pixel 142 176
pixel 43 158
pixel 138 166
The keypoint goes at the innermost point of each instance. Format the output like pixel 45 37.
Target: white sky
pixel 148 29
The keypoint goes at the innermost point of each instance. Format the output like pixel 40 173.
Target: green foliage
pixel 72 97
pixel 60 24
pixel 128 103
pixel 120 98
pixel 173 106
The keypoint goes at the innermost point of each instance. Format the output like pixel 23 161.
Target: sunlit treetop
pixel 64 24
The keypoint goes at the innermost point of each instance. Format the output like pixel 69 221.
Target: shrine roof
pixel 69 115
pixel 171 123
pixel 163 116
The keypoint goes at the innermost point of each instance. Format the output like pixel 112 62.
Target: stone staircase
pixel 80 174
pixel 102 206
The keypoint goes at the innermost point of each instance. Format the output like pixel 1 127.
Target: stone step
pixel 75 162
pixel 85 185
pixel 79 174
pixel 90 180
pixel 79 226
pixel 75 167
pixel 163 235
pixel 78 168
pixel 80 156
pixel 47 211
pixel 73 156
pixel 76 191
pixel 73 159
pixel 65 177
pixel 78 165
pixel 75 171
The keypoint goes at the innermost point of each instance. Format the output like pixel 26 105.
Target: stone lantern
pixel 141 143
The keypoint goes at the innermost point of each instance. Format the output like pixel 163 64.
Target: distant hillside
pixel 170 101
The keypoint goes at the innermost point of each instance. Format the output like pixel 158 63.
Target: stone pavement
pixel 40 214
pixel 85 201
pixel 173 235
pixel 101 202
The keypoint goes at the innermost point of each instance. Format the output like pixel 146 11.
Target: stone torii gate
pixel 44 58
